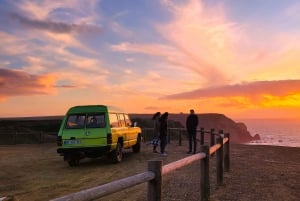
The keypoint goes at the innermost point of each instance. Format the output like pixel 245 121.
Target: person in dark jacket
pixel 191 126
pixel 163 133
pixel 156 128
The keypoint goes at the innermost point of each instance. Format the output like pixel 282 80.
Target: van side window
pixel 95 121
pixel 75 121
pixel 122 120
pixel 113 120
pixel 127 120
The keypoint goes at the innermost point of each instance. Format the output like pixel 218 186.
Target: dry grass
pixel 36 172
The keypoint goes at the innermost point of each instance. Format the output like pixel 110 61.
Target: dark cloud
pixel 274 88
pixel 66 86
pixel 56 27
pixel 151 108
pixel 16 82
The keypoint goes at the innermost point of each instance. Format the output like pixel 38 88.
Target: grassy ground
pixel 36 172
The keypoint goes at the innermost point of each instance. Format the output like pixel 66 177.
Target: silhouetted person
pixel 156 128
pixel 163 133
pixel 191 126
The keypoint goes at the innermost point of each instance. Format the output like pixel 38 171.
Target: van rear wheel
pixel 117 154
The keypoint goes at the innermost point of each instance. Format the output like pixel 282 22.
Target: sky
pixel 238 58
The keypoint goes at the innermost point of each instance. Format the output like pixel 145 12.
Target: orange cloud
pixel 281 93
pixel 20 83
pixel 276 88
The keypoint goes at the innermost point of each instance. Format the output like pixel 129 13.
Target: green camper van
pixel 96 130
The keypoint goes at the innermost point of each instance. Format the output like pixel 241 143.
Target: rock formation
pixel 237 130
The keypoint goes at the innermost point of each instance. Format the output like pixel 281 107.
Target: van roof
pixel 94 108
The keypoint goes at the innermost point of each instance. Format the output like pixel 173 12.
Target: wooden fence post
pixel 226 154
pixel 15 138
pixel 212 137
pixel 169 136
pixel 180 139
pixel 155 185
pixel 201 136
pixel 219 163
pixel 204 175
pixel 41 137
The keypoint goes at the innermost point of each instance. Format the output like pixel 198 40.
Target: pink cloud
pixel 20 83
pixel 205 38
pixel 248 89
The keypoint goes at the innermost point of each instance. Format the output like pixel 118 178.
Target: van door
pixel 74 130
pixel 123 129
pixel 96 129
pixel 132 132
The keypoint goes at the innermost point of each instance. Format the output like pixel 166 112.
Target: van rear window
pixel 89 121
pixel 95 121
pixel 75 121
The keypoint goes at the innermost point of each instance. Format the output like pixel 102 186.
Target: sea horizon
pixel 276 132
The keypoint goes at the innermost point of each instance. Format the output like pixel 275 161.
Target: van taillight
pixel 109 139
pixel 59 140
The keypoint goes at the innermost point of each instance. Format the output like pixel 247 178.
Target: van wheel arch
pixel 117 154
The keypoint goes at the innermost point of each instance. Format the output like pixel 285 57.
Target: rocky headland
pixel 237 130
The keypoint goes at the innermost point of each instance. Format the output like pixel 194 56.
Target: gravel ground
pixel 261 173
pixel 36 172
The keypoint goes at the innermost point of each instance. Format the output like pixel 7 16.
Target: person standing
pixel 156 128
pixel 191 126
pixel 163 133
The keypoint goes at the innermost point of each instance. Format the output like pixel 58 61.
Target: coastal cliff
pixel 238 130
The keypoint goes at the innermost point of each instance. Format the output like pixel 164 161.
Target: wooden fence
pixel 156 170
pixel 27 138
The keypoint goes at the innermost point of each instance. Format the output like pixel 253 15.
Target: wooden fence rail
pixel 155 172
pixel 177 133
pixel 27 137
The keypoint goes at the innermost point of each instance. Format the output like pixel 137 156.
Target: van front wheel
pixel 117 154
pixel 137 147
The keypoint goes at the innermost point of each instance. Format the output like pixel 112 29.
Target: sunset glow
pixel 239 58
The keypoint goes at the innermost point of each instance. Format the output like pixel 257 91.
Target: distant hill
pixel 238 131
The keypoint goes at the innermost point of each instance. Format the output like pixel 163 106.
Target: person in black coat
pixel 156 128
pixel 191 126
pixel 163 133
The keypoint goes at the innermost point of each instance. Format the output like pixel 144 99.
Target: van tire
pixel 137 147
pixel 117 154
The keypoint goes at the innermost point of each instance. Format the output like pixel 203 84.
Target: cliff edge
pixel 238 131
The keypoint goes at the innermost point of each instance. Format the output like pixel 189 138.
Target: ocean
pixel 277 132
